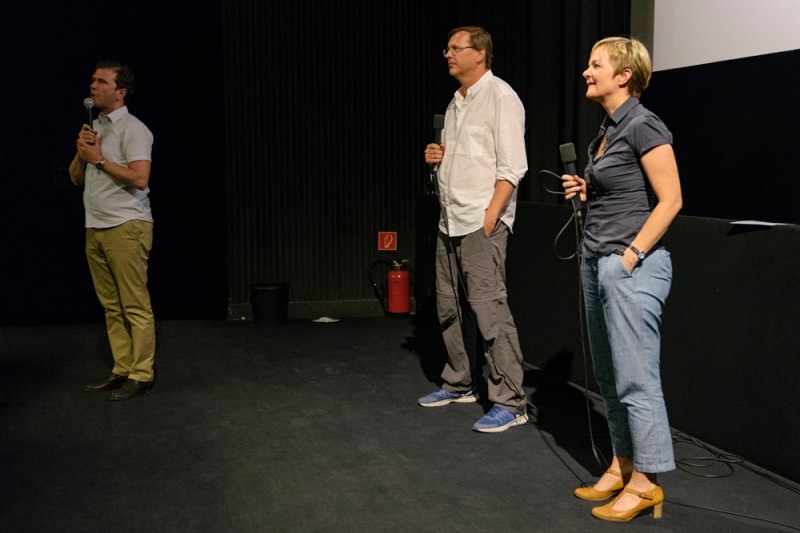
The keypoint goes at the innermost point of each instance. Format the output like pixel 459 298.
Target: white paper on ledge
pixel 757 223
pixel 325 320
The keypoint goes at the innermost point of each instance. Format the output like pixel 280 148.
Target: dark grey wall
pixel 287 134
pixel 736 142
pixel 50 50
pixel 330 107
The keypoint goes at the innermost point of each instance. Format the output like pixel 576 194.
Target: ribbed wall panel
pixel 328 108
pixel 321 149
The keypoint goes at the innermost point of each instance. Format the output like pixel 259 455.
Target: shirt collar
pixel 117 114
pixel 611 121
pixel 477 86
pixel 617 116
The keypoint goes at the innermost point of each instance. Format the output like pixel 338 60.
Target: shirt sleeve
pixel 648 132
pixel 137 144
pixel 512 160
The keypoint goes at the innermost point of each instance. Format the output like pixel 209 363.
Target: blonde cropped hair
pixel 629 53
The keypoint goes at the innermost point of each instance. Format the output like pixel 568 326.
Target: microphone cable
pixel 576 221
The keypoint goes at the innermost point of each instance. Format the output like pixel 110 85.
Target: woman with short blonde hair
pixel 633 193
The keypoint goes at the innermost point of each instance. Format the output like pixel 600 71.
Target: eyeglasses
pixel 455 49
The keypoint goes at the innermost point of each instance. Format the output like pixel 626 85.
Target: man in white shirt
pixel 481 162
pixel 112 162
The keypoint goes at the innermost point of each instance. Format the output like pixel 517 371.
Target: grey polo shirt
pixel 108 202
pixel 620 197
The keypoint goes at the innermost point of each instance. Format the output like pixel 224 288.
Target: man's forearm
pixel 77 170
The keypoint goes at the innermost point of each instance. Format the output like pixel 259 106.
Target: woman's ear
pixel 625 77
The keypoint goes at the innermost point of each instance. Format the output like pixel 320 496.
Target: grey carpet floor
pixel 312 427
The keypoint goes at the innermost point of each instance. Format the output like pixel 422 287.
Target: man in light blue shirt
pixel 113 164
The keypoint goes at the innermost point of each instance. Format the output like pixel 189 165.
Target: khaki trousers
pixel 118 259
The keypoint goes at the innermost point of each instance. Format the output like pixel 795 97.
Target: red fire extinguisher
pixel 398 282
pixel 399 300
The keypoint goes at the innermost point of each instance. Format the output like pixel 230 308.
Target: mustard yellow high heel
pixel 594 495
pixel 652 499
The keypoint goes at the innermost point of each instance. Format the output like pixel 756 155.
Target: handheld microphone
pixel 438 126
pixel 88 103
pixel 433 176
pixel 568 158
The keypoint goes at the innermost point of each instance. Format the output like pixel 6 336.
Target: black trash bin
pixel 270 303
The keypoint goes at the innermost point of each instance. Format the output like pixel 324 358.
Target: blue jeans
pixel 623 314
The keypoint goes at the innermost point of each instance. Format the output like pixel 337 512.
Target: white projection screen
pixel 696 32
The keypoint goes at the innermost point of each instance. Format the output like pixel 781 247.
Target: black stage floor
pixel 314 427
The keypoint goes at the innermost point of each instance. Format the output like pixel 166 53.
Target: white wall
pixel 694 32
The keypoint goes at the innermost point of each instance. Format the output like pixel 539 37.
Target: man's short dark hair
pixel 125 78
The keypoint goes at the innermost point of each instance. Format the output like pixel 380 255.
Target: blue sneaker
pixel 498 419
pixel 441 397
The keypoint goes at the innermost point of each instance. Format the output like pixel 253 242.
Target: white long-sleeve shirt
pixel 484 134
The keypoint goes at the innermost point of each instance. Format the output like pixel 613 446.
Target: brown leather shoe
pixel 131 389
pixel 113 381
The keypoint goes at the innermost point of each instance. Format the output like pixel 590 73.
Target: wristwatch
pixel 640 254
pixel 99 164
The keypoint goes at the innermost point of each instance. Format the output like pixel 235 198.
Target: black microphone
pixel 88 103
pixel 433 175
pixel 438 126
pixel 568 158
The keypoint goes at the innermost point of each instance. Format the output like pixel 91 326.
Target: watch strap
pixel 640 254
